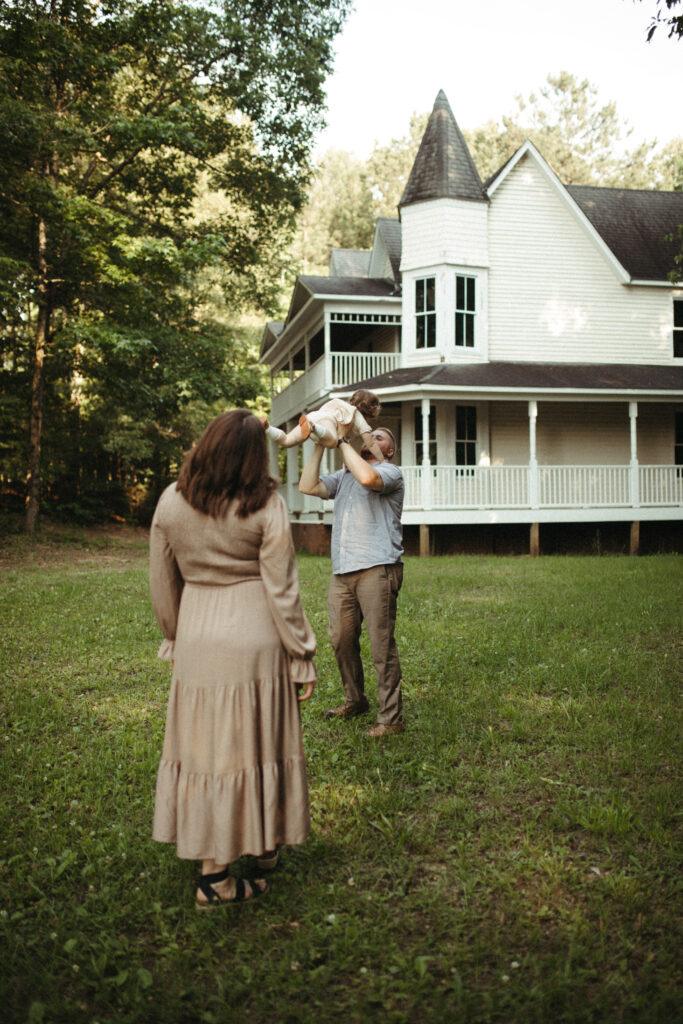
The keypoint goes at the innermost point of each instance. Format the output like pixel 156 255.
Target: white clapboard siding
pixel 444 231
pixel 552 293
pixel 581 433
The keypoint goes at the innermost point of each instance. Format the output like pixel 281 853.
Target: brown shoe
pixel 347 710
pixel 305 427
pixel 385 730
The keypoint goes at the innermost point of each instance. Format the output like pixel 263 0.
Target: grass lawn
pixel 511 857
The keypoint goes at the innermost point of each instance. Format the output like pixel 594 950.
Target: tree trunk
pixel 37 386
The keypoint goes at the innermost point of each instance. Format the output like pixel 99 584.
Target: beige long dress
pixel 232 777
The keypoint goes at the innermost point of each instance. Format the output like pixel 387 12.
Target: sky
pixel 393 57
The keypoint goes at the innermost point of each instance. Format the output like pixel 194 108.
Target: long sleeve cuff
pixel 302 670
pixel 167 650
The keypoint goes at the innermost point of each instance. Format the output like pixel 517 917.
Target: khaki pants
pixel 370 595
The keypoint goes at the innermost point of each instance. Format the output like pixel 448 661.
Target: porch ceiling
pixel 520 378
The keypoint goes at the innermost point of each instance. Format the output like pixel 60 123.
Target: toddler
pixel 332 422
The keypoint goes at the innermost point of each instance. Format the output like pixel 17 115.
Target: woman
pixel 225 590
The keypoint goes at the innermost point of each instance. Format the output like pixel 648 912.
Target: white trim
pixel 407 391
pixel 651 284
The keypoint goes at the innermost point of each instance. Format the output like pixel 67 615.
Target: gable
pixel 630 226
pixel 350 262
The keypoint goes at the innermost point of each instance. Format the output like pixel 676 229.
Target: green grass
pixel 512 857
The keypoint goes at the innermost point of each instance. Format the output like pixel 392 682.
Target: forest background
pixel 158 199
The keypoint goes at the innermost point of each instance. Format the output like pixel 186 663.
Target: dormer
pixel 444 262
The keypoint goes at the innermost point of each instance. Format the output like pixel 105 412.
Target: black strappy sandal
pixel 213 900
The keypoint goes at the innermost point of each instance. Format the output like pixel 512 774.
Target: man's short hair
pixel 391 435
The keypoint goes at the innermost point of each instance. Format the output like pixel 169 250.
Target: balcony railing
pixel 350 367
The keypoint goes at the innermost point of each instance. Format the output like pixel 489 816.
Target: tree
pixel 576 134
pixel 388 167
pixel 338 213
pixel 109 114
pixel 659 18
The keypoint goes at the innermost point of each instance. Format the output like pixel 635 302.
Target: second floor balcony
pixel 297 391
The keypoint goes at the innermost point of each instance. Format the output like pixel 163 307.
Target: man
pixel 367 572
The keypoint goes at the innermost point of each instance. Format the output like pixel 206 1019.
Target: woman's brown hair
pixel 367 403
pixel 229 462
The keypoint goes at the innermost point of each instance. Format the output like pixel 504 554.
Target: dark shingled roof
pixel 390 231
pixel 634 224
pixel 350 262
pixel 522 376
pixel 348 285
pixel 443 168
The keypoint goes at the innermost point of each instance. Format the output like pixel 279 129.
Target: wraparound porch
pixel 532 495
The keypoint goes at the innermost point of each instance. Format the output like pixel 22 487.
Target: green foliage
pixel 116 119
pixel 339 212
pixel 664 16
pixel 513 856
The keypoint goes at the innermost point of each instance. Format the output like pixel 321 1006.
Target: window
pixel 425 313
pixel 678 440
pixel 419 436
pixel 678 328
pixel 464 311
pixel 465 435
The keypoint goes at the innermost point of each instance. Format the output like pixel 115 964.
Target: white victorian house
pixel 524 338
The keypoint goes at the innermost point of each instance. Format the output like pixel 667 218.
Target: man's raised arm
pixel 364 472
pixel 310 482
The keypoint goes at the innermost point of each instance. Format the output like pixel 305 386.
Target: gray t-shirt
pixel 367 524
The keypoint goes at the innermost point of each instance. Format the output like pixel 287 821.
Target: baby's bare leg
pixel 326 437
pixel 292 439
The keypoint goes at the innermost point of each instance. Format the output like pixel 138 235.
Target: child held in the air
pixel 332 422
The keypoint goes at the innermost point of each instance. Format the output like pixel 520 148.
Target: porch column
pixel 328 352
pixel 426 464
pixel 534 496
pixel 634 540
pixel 635 482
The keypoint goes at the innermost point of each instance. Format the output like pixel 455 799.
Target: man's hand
pixel 364 472
pixel 307 691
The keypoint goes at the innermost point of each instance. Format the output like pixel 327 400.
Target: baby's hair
pixel 367 403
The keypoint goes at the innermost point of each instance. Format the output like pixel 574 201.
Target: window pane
pixel 678 344
pixel 430 299
pixel 470 293
pixel 471 414
pixel 679 428
pixel 459 329
pixel 419 296
pixel 460 453
pixel 469 337
pixel 431 329
pixel 460 293
pixel 678 312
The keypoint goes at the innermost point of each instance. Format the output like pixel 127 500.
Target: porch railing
pixel 511 487
pixel 350 367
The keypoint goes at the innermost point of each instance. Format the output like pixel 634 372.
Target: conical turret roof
pixel 443 168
